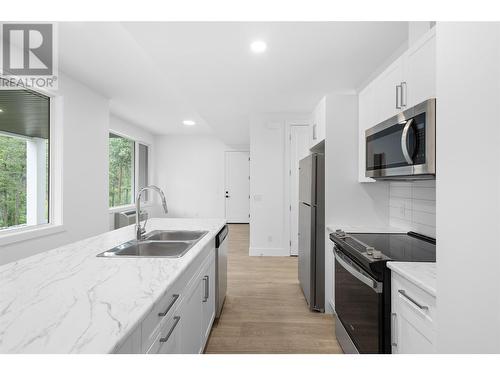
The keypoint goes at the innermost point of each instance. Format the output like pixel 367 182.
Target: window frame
pixel 137 142
pixel 55 178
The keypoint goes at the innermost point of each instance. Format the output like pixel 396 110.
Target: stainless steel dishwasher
pixel 221 269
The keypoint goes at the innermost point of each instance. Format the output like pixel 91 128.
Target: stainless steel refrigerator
pixel 312 230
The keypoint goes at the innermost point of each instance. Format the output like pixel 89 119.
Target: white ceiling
pixel 157 74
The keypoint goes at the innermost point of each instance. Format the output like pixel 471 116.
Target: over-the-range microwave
pixel 404 146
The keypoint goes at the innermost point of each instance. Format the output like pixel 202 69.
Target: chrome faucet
pixel 140 231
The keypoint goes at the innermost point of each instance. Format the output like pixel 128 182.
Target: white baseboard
pixel 330 307
pixel 269 252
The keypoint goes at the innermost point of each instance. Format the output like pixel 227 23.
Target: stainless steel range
pixel 362 284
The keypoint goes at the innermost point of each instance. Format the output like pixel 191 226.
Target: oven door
pixel 358 304
pixel 404 145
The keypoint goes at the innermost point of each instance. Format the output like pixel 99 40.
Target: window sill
pixel 23 234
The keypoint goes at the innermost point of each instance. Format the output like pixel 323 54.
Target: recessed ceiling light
pixel 1 110
pixel 258 46
pixel 189 122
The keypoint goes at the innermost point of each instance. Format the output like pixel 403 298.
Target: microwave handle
pixel 404 142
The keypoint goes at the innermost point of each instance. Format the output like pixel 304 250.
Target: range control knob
pixel 369 250
pixel 377 254
pixel 340 233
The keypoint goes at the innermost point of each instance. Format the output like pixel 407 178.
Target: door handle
pixel 398 96
pixel 354 271
pixel 404 95
pixel 207 288
pixel 404 142
pixel 394 330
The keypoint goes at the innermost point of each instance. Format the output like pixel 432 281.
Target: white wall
pixel 347 202
pixel 190 169
pixel 269 190
pixel 137 133
pixel 85 123
pixel 413 206
pixel 468 187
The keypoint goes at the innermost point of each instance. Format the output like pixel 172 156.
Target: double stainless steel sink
pixel 157 244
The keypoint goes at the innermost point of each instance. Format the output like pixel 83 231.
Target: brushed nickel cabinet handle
pixel 393 330
pixel 404 94
pixel 176 321
pixel 207 291
pixel 172 301
pixel 398 96
pixel 421 307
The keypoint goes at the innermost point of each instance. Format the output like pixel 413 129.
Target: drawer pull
pixel 176 321
pixel 172 301
pixel 421 307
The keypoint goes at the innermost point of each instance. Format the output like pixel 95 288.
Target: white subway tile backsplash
pixel 400 191
pixel 412 206
pixel 424 193
pixel 424 205
pixel 423 217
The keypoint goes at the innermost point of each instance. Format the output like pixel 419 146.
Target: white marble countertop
pixel 67 300
pixel 332 227
pixel 422 274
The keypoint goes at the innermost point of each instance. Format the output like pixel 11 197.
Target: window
pixel 125 172
pixel 24 158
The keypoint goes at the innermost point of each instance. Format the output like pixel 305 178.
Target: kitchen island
pixel 67 300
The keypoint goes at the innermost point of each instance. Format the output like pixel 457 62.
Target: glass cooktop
pixel 373 250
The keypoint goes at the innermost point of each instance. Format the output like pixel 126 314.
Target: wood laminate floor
pixel 265 310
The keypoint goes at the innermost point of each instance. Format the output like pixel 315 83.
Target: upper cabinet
pixel 408 81
pixel 420 70
pixel 388 88
pixel 318 123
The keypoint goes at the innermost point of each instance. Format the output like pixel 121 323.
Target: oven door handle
pixel 404 142
pixel 356 272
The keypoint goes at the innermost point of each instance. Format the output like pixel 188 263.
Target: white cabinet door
pixel 420 71
pixel 409 338
pixel 387 94
pixel 318 127
pixel 366 120
pixel 413 316
pixel 208 301
pixel 191 318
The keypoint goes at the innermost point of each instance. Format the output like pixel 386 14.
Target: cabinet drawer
pixel 417 306
pixel 167 341
pixel 162 310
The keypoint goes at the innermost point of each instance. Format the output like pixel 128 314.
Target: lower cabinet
pixel 181 321
pixel 208 300
pixel 413 318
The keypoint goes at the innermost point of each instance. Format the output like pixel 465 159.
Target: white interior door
pixel 299 149
pixel 237 186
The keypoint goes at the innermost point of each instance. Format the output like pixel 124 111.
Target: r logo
pixel 28 49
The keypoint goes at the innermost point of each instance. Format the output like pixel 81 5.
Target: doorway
pixel 237 186
pixel 299 148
